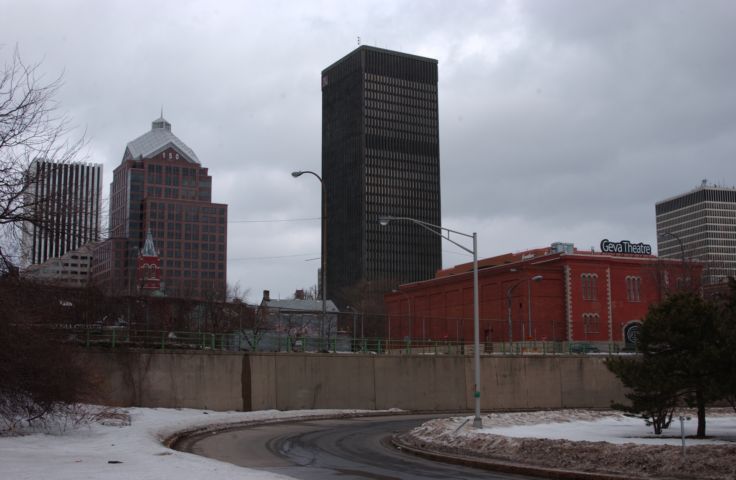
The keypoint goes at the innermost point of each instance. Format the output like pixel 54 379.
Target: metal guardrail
pixel 124 337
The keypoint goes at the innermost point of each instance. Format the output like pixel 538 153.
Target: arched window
pixel 633 289
pixel 591 323
pixel 589 283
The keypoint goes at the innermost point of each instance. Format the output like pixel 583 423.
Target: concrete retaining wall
pixel 222 381
pixel 153 379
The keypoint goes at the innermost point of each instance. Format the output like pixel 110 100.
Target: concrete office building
pixel 380 156
pixel 69 270
pixel 700 225
pixel 64 200
pixel 161 187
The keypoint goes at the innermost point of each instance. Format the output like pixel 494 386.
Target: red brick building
pixel 548 294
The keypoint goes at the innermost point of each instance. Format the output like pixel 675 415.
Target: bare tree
pixel 31 127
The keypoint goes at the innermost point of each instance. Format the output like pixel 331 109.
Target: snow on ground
pixel 589 441
pixel 85 453
pixel 617 428
pixel 574 439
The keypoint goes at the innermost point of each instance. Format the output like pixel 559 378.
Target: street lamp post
pixel 324 251
pixel 362 337
pixel 535 278
pixel 445 233
pixel 682 247
pixel 411 328
pixel 529 304
pixel 686 278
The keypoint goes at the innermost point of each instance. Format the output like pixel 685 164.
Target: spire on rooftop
pixel 149 249
pixel 161 122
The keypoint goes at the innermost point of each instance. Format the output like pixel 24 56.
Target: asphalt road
pixel 351 448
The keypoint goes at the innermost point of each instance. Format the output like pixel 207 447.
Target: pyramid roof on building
pixel 149 249
pixel 158 139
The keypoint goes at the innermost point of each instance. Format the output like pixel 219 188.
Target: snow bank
pixel 590 441
pixel 125 451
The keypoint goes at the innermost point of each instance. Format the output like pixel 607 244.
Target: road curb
pixel 175 440
pixel 505 467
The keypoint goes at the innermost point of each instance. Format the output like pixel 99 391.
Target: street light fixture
pixel 411 327
pixel 535 278
pixel 362 337
pixel 445 233
pixel 679 241
pixel 297 174
pixel 682 252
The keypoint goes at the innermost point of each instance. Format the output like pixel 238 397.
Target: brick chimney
pixel 299 294
pixel 266 296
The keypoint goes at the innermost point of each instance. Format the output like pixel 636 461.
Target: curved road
pixel 350 448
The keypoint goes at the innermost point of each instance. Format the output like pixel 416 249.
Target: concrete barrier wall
pixel 545 382
pixel 306 381
pixel 154 379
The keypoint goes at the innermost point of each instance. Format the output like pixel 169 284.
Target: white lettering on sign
pixel 625 246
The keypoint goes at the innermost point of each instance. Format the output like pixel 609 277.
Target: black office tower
pixel 380 156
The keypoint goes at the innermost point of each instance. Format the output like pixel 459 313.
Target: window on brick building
pixel 591 323
pixel 633 289
pixel 590 286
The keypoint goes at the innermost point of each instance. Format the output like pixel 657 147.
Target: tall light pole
pixel 445 233
pixel 362 337
pixel 682 252
pixel 408 302
pixel 535 278
pixel 682 247
pixel 324 250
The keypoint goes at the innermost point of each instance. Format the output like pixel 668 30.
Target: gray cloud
pixel 559 121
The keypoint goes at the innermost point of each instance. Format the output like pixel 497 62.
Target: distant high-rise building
pixel 700 225
pixel 161 187
pixel 64 201
pixel 380 156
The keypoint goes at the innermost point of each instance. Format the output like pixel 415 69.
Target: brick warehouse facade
pixel 160 186
pixel 582 296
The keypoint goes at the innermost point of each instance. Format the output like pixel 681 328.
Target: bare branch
pixel 31 128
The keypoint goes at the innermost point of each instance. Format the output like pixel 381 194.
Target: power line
pixel 272 257
pixel 277 220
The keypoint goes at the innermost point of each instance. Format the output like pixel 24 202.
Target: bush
pixel 41 377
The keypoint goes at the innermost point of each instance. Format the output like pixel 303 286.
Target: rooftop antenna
pixel 358 40
pixel 704 182
pixel 162 111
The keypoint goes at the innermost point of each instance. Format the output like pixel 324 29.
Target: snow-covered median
pixel 589 441
pixel 132 451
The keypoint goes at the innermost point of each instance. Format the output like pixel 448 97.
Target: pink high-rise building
pixel 162 186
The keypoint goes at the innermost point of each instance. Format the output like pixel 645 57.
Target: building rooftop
pixel 536 254
pixel 703 186
pixel 158 139
pixel 301 305
pixel 380 50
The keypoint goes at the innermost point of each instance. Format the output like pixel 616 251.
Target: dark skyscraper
pixel 160 187
pixel 380 156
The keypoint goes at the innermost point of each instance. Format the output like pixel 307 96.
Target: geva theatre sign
pixel 626 247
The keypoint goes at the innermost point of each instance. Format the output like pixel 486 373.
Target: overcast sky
pixel 559 120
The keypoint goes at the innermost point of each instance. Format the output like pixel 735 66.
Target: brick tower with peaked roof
pixel 149 267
